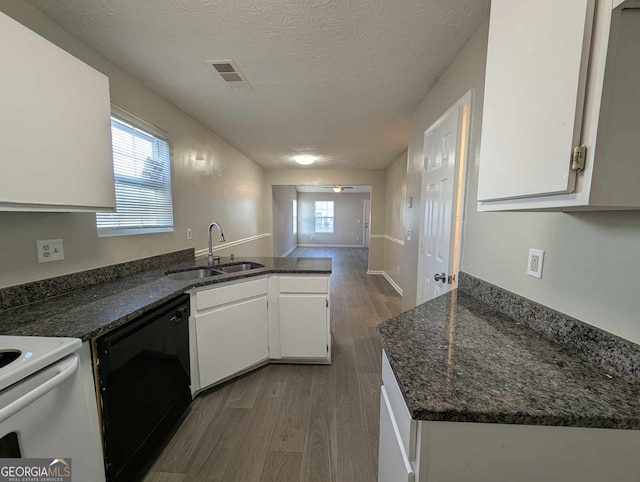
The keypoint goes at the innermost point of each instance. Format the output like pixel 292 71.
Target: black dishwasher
pixel 144 378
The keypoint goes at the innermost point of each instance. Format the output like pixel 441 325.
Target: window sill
pixel 105 233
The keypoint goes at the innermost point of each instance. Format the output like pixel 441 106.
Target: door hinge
pixel 327 303
pixel 578 158
pixel 267 303
pixel 327 348
pixel 451 279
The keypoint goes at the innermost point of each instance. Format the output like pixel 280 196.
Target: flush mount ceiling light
pixel 305 160
pixel 337 188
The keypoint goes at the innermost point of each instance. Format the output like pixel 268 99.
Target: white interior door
pixel 366 223
pixel 439 188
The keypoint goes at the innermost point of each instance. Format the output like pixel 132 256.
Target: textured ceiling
pixel 334 78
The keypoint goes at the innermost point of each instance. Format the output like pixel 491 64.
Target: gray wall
pixel 376 178
pixel 348 222
pixel 394 226
pixel 283 238
pixel 226 186
pixel 592 260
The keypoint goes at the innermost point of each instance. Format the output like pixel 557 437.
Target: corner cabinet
pixel 559 129
pixel 55 134
pixel 240 325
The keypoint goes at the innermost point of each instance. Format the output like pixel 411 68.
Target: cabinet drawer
pixel 406 425
pixel 302 284
pixel 393 462
pixel 228 294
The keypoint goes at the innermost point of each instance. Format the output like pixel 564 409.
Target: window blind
pixel 142 172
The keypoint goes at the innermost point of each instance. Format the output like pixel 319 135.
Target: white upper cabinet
pixel 55 134
pixel 561 79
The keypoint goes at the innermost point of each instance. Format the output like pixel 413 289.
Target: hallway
pixel 296 422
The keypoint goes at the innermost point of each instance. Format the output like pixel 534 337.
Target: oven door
pixel 46 416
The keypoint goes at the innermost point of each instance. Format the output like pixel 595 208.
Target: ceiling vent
pixel 230 73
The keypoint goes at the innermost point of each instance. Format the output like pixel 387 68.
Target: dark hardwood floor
pixel 296 422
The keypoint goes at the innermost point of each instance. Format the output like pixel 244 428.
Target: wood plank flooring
pixel 289 423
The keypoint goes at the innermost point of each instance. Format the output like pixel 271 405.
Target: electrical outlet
pixel 50 250
pixel 536 260
pixel 189 233
pixel 398 270
pixel 409 233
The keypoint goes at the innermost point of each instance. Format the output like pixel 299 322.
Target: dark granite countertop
pixel 90 312
pixel 457 359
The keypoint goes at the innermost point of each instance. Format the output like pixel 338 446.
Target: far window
pixel 324 217
pixel 295 217
pixel 142 172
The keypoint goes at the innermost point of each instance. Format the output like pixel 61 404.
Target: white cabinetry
pixel 240 325
pixel 55 134
pixel 561 75
pixel 303 321
pixel 453 451
pixel 231 330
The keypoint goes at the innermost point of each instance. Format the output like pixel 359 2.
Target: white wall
pixel 226 187
pixel 592 260
pixel 348 219
pixel 376 178
pixel 394 219
pixel 283 238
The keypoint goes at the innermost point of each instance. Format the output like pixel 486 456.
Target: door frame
pixel 459 204
pixel 366 232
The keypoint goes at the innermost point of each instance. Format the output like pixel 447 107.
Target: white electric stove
pixel 44 412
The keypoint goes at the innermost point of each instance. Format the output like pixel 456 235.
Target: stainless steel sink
pixel 234 268
pixel 196 273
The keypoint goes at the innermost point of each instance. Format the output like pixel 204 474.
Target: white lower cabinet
pixel 427 451
pixel 303 326
pixel 231 330
pixel 394 464
pixel 302 323
pixel 239 325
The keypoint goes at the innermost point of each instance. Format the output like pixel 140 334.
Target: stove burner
pixel 7 356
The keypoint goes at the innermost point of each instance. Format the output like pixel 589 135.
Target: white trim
pixel 331 245
pixel 230 244
pixel 388 238
pixel 287 253
pixel 394 240
pixel 388 278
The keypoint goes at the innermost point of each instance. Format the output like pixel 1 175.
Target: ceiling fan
pixel 338 187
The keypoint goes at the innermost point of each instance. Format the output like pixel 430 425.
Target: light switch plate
pixel 50 250
pixel 536 260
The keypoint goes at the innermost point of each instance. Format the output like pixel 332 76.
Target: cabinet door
pixel 393 463
pixel 231 338
pixel 537 62
pixel 303 326
pixel 55 128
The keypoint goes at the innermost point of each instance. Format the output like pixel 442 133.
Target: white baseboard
pixel 388 278
pixel 330 246
pixel 287 253
pixel 387 238
pixel 231 244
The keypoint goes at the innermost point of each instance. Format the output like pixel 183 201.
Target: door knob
pixel 440 277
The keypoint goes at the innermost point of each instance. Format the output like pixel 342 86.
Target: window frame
pixel 323 209
pixel 153 133
pixel 295 216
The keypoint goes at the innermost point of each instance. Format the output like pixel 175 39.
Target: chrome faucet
pixel 221 239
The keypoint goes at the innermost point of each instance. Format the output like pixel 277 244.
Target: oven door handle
pixel 65 370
